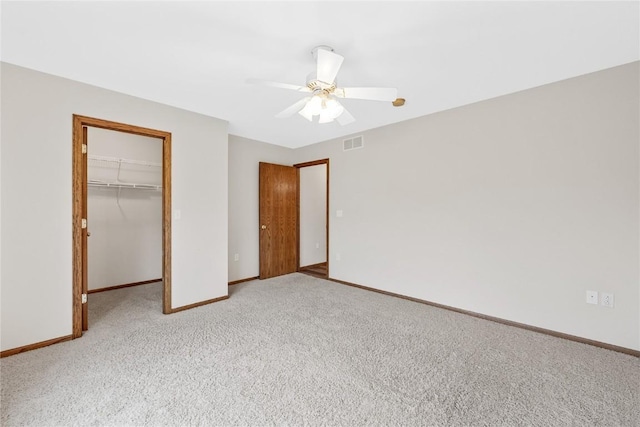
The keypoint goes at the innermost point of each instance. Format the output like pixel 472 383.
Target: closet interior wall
pixel 124 208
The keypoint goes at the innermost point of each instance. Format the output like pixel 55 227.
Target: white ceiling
pixel 197 55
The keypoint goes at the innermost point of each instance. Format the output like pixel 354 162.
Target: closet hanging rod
pixel 125 161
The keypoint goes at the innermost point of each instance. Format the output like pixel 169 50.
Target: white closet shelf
pixel 120 161
pixel 108 184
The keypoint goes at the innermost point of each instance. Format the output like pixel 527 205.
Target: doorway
pixel 124 213
pixel 313 203
pixel 81 124
pixel 279 205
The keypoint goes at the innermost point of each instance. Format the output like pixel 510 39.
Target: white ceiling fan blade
pixel 278 85
pixel 291 110
pixel 345 118
pixel 328 65
pixel 369 93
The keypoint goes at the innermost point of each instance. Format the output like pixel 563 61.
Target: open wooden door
pixel 278 220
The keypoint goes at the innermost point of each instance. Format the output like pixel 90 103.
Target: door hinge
pixel 84 148
pixel 84 298
pixel 84 222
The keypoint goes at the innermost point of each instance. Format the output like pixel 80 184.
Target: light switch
pixel 177 214
pixel 339 213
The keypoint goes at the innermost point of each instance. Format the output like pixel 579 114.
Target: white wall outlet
pixel 317 245
pixel 606 299
pixel 592 297
pixel 236 257
pixel 177 214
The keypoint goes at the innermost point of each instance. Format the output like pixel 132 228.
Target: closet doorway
pixel 126 176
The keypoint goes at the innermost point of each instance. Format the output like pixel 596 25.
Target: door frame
pixel 304 165
pixel 79 195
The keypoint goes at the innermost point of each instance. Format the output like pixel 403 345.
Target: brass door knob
pixel 264 227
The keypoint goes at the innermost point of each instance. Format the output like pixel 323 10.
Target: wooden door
pixel 85 233
pixel 278 220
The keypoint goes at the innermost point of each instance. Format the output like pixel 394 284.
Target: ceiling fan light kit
pixel 322 105
pixel 324 90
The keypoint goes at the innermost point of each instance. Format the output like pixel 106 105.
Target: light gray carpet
pixel 297 350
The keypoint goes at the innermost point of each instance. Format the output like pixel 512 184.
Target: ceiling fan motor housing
pixel 318 85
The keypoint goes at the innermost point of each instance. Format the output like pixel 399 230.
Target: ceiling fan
pixel 324 92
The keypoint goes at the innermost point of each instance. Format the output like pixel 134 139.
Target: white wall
pixel 36 252
pixel 125 245
pixel 244 157
pixel 511 207
pixel 313 215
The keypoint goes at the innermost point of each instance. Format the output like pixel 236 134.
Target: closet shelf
pixel 107 184
pixel 119 161
pixel 120 164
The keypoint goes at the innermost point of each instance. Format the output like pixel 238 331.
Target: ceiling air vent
pixel 352 143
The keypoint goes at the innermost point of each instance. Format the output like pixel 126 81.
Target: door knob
pixel 264 227
pixel 88 233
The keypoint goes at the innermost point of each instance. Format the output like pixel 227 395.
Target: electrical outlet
pixel 236 257
pixel 317 245
pixel 606 299
pixel 592 297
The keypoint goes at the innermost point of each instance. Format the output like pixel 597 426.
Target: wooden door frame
pixel 304 165
pixel 85 235
pixel 79 187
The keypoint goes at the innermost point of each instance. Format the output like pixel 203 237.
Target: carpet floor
pixel 297 350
